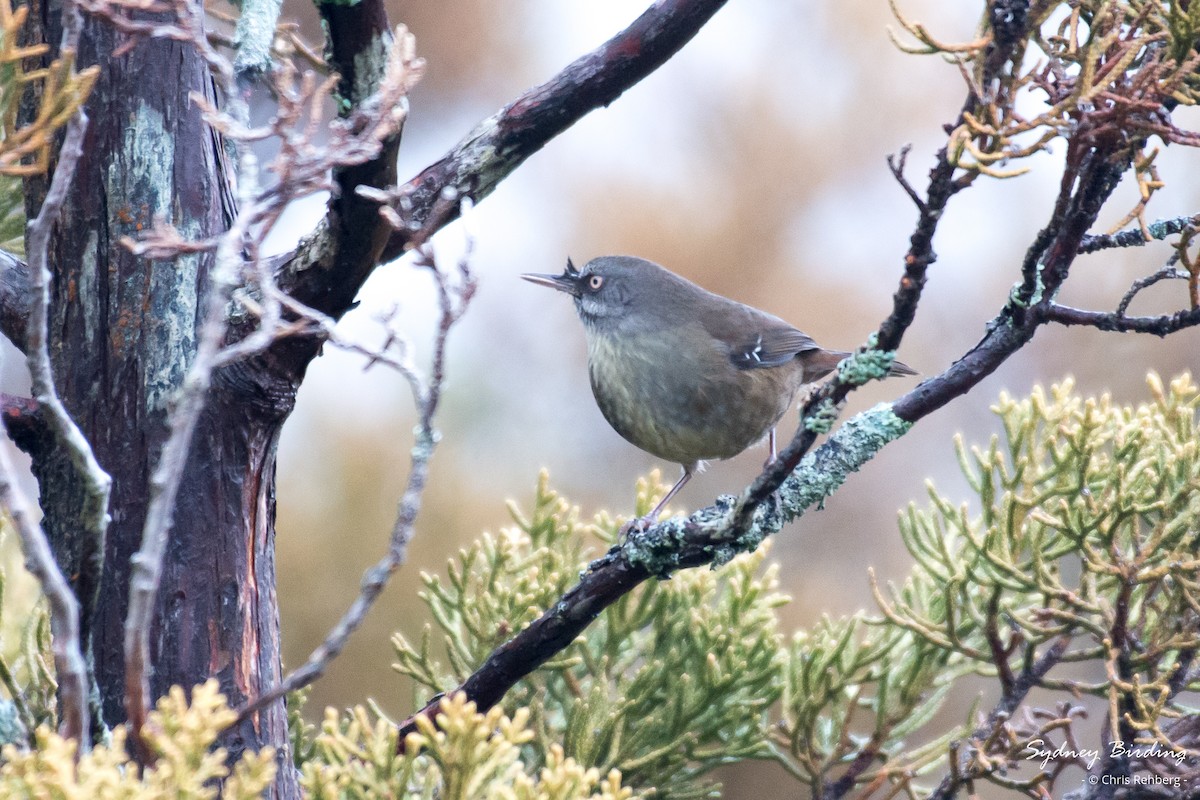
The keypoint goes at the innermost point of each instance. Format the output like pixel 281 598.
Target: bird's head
pixel 610 291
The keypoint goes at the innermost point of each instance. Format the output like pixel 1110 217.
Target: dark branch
pixel 607 580
pixel 1003 711
pixel 14 298
pixel 315 273
pixel 1136 237
pixel 356 232
pixel 1168 272
pixel 1112 321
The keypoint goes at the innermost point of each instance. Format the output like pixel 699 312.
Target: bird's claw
pixel 637 524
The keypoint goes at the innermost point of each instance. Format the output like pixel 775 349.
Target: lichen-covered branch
pixel 1137 237
pixel 1097 158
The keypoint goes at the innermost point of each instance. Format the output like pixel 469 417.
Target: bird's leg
pixel 641 523
pixel 771 443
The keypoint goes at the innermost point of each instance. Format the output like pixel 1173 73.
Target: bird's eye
pixel 595 282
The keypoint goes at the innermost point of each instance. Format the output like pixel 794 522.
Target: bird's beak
pixel 567 282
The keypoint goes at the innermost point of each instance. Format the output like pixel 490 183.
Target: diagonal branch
pixel 791 485
pixel 319 275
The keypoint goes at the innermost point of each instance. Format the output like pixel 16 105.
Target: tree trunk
pixel 123 332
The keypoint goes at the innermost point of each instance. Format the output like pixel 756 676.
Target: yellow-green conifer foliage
pixel 465 756
pixel 180 733
pixel 671 681
pixel 58 91
pixel 1073 571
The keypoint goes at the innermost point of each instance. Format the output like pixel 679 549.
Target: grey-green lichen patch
pixel 370 66
pixel 254 35
pixel 872 365
pixel 1039 290
pixel 87 296
pixel 822 419
pixel 661 549
pixel 140 183
pixel 479 162
pixel 821 472
pixel 818 475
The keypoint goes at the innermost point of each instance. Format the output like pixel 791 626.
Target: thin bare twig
pixel 896 164
pixel 1162 325
pixel 452 302
pixel 69 665
pixel 64 608
pixel 1136 237
pixel 1168 272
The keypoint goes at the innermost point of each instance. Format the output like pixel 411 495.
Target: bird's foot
pixel 636 525
pixel 772 453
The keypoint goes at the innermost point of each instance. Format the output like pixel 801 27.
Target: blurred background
pixel 752 163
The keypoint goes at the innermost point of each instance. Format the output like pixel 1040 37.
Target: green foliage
pixel 1087 535
pixel 1079 548
pixel 856 690
pixel 25 149
pixel 60 91
pixel 1087 526
pixel 673 680
pixel 180 733
pixel 465 756
pixel 12 215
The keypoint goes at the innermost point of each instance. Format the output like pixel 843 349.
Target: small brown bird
pixel 685 374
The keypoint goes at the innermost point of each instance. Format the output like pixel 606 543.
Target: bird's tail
pixel 820 362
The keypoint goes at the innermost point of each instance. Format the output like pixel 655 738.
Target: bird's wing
pixel 756 339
